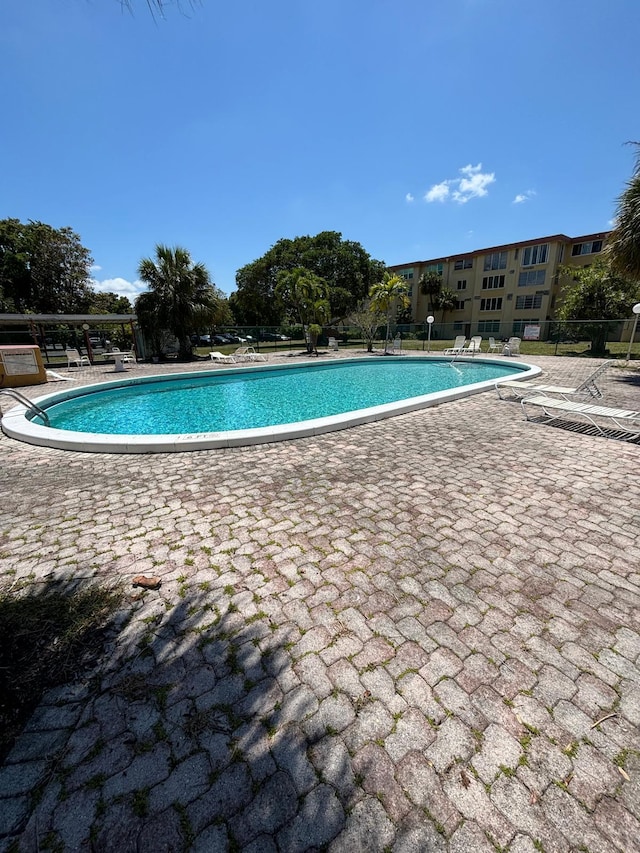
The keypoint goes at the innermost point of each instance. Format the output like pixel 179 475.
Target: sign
pixel 19 363
pixel 531 333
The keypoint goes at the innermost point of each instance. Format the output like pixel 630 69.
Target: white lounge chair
pixel 474 345
pixel 458 346
pixel 248 354
pixel 561 409
pixel 74 357
pixel 221 357
pixel 518 390
pixel 512 347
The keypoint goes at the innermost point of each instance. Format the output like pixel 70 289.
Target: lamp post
pixel 636 311
pixel 430 320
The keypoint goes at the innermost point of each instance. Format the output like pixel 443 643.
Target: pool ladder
pixel 26 402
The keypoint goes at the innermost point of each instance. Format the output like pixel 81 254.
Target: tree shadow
pixel 193 731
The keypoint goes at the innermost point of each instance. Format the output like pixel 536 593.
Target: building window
pixel 586 248
pixel 528 278
pixel 407 274
pixel 459 305
pixel 410 291
pixel 535 255
pixel 462 284
pixel 489 326
pixel 439 268
pixel 464 264
pixel 457 325
pixel 495 261
pixel 494 303
pixel 524 303
pixel 490 282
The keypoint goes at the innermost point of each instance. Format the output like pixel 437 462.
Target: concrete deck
pixel 399 637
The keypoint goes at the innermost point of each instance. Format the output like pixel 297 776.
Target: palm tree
pixel 624 242
pixel 446 300
pixel 430 285
pixel 387 295
pixel 180 299
pixel 306 295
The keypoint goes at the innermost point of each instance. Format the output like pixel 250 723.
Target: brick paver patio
pixel 398 637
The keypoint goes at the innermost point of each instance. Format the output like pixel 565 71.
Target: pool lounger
pixel 518 389
pixel 559 408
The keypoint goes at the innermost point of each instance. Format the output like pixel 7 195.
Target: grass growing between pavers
pixel 49 632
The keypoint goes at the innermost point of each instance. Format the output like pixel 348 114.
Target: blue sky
pixel 418 128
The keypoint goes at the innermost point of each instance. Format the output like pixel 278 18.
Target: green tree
pixel 109 303
pixel 388 296
pixel 623 245
pixel 181 297
pixel 430 285
pixel 43 270
pixel 592 297
pixel 446 300
pixel 343 264
pixel 368 319
pixel 304 296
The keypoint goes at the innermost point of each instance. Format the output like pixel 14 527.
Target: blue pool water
pixel 251 398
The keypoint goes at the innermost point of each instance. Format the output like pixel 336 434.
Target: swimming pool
pixel 249 405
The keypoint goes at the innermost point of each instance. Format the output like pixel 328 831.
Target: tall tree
pixel 343 264
pixel 389 296
pixel 181 296
pixel 593 297
pixel 43 270
pixel 305 295
pixel 445 300
pixel 430 285
pixel 623 246
pixel 109 303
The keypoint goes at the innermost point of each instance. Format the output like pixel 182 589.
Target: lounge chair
pixel 523 389
pixel 561 409
pixel 333 344
pixel 248 354
pixel 474 345
pixel 458 346
pixel 74 357
pixel 221 358
pixel 512 347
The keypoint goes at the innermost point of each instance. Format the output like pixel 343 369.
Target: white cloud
pixel 438 192
pixel 95 267
pixel 472 184
pixel 522 197
pixel 121 286
pixel 409 197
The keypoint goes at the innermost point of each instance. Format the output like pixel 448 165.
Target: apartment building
pixel 502 290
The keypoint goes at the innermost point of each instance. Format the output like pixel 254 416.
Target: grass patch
pixel 49 634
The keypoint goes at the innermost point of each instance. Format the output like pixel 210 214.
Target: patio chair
pixel 494 346
pixel 474 345
pixel 248 354
pixel 522 389
pixel 74 357
pixel 512 347
pixel 126 355
pixel 333 344
pixel 221 358
pixel 561 409
pixel 458 346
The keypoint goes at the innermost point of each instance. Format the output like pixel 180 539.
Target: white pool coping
pixel 16 425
